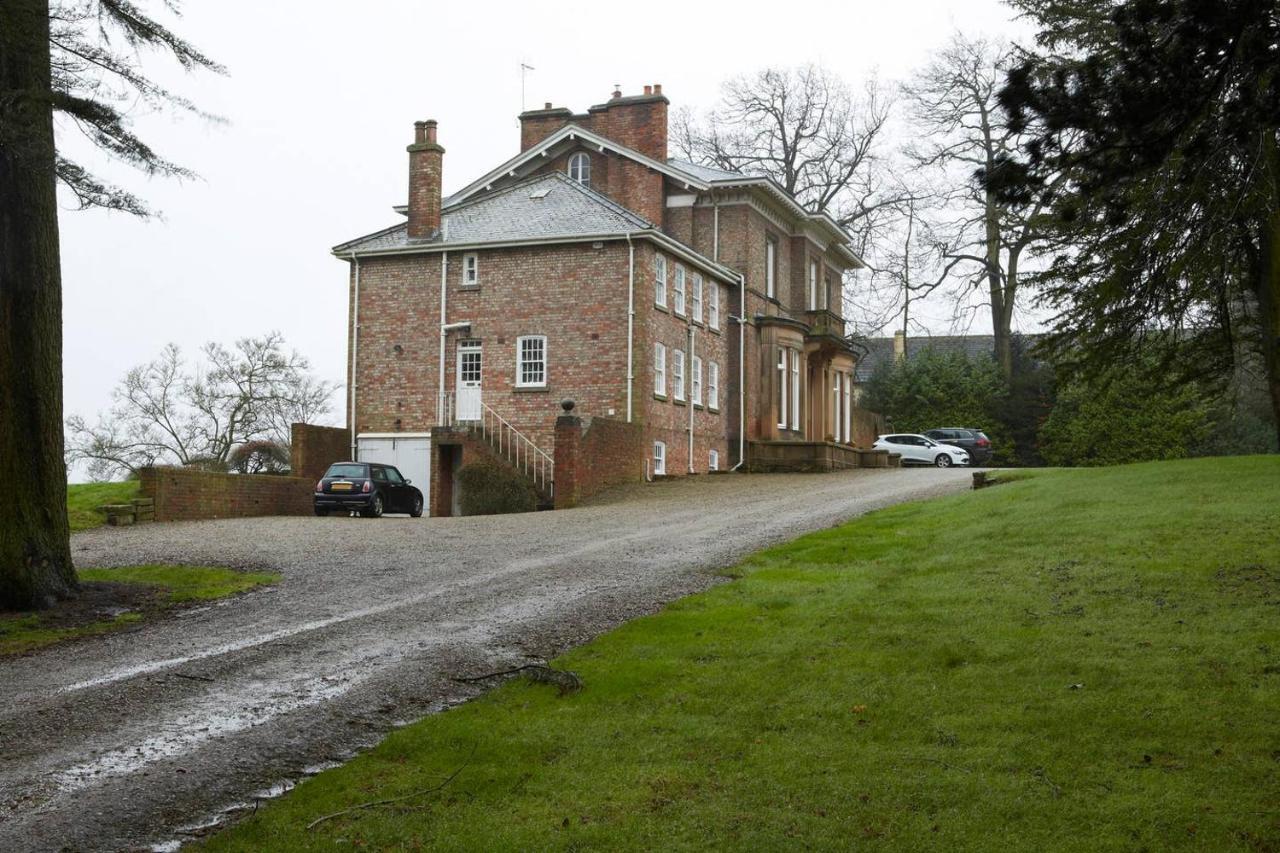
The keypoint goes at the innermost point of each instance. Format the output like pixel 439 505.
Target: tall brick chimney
pixel 426 163
pixel 636 121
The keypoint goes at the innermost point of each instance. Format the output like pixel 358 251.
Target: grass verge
pixel 83 500
pixel 111 599
pixel 1080 660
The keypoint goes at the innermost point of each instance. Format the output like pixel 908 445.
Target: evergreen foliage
pixel 492 489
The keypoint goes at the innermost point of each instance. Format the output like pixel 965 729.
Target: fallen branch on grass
pixel 567 681
pixel 373 804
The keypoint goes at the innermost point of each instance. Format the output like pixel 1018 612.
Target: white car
pixel 922 450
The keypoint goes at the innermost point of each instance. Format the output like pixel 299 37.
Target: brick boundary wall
pixel 593 454
pixel 185 494
pixel 312 449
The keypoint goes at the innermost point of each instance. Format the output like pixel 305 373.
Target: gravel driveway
pixel 143 737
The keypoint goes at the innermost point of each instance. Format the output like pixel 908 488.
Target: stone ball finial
pixel 567 405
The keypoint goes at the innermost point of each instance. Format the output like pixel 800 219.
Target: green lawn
pixel 83 500
pixel 1080 660
pixel 148 590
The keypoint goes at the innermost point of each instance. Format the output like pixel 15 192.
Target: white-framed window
pixel 695 375
pixel 783 397
pixel 660 280
pixel 770 267
pixel 795 389
pixel 713 305
pixel 580 168
pixel 660 369
pixel 713 460
pixel 471 270
pixel 713 385
pixel 677 289
pixel 837 418
pixel 531 361
pixel 659 458
pixel 828 290
pixel 677 373
pixel 697 297
pixel 813 285
pixel 848 408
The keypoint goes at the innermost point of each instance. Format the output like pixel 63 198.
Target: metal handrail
pixel 510 443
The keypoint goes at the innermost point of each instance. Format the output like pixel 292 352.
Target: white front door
pixel 469 371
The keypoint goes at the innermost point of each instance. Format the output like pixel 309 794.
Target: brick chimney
pixel 426 163
pixel 636 121
pixel 899 345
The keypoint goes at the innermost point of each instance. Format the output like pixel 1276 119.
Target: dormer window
pixel 580 168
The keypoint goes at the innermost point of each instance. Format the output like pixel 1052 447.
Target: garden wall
pixel 595 453
pixel 186 494
pixel 312 449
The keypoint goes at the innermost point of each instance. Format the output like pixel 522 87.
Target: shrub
pixel 491 489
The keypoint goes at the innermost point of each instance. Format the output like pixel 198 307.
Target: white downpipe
pixel 355 349
pixel 444 289
pixel 742 373
pixel 693 343
pixel 715 229
pixel 631 321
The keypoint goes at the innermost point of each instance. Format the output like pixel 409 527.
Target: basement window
pixel 659 458
pixel 713 460
pixel 580 168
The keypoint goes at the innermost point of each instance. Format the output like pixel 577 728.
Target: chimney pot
pixel 617 91
pixel 657 88
pixel 648 90
pixel 547 105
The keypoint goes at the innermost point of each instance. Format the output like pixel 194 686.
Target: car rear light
pixel 368 486
pixel 982 442
pixel 320 485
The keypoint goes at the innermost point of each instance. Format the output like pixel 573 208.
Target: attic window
pixel 580 168
pixel 541 192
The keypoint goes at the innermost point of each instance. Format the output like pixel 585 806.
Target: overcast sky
pixel 320 103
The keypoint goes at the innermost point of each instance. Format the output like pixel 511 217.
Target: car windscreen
pixel 347 470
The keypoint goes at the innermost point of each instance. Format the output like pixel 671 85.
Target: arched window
pixel 580 168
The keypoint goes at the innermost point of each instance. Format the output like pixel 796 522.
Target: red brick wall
pixel 575 295
pixel 312 449
pixel 593 454
pixel 184 494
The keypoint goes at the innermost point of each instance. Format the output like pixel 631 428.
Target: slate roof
pixel 880 350
pixel 704 173
pixel 546 207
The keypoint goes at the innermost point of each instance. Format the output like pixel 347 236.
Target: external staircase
pixel 507 444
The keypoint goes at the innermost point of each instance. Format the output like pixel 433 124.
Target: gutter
pixel 355 349
pixel 742 373
pixel 631 321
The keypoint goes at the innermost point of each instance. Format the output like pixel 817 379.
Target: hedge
pixel 492 489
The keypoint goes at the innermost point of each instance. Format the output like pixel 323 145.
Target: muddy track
pixel 146 737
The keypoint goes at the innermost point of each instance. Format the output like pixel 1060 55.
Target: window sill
pixel 664 309
pixel 468 287
pixel 715 410
pixel 530 389
pixel 662 397
pixel 680 402
pixel 715 330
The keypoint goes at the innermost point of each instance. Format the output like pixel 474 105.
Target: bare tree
pixel 80 60
pixel 816 137
pixel 981 243
pixel 166 412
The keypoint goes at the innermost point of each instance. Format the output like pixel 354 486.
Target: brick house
pixel 593 267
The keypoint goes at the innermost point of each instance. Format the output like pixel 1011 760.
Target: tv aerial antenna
pixel 525 68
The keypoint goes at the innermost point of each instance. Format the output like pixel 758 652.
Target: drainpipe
pixel 693 342
pixel 631 320
pixel 444 273
pixel 742 373
pixel 715 228
pixel 355 348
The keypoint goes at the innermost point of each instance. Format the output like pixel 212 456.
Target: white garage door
pixel 409 452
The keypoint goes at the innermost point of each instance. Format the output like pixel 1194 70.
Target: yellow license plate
pixel 340 487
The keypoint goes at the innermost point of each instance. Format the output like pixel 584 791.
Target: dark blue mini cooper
pixel 368 488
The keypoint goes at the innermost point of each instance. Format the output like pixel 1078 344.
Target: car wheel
pixel 943 460
pixel 416 512
pixel 321 511
pixel 375 509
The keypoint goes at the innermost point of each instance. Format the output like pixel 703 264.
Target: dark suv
pixel 973 440
pixel 368 488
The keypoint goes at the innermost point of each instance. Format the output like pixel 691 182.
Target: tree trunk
pixel 1267 288
pixel 35 553
pixel 1001 313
